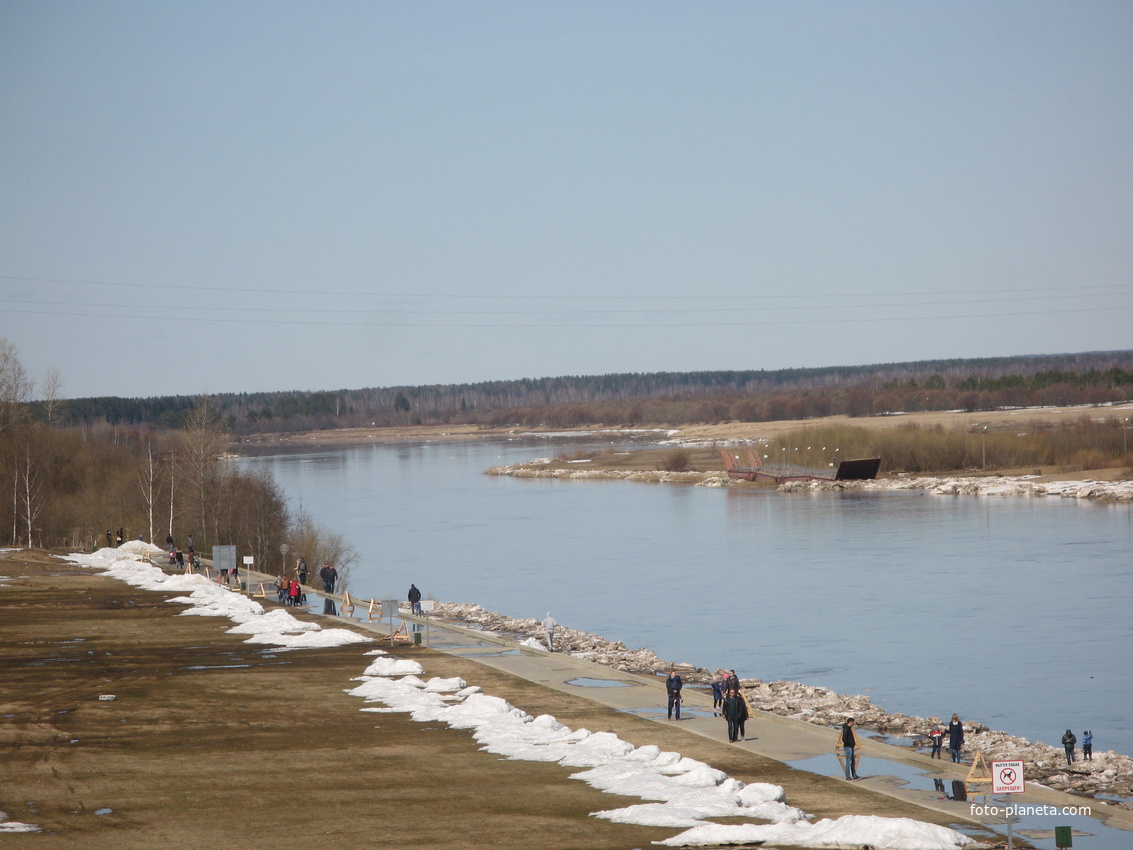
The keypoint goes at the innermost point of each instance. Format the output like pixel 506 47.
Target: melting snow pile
pixel 683 792
pixel 206 598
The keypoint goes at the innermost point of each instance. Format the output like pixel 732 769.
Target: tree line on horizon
pixel 640 399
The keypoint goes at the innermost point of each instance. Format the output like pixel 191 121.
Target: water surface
pixel 1011 611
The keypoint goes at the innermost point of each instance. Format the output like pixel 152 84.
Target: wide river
pixel 1011 611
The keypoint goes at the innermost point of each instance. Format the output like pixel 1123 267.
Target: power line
pixel 532 297
pixel 549 325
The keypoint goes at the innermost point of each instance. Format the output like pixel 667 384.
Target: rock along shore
pixel 1109 774
pixel 995 485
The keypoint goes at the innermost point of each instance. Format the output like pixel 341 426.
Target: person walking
pixel 549 627
pixel 673 685
pixel 717 696
pixel 414 600
pixel 301 569
pixel 120 536
pixel 955 738
pixel 329 575
pixel 1068 741
pixel 293 592
pixel 848 741
pixel 1088 745
pixel 936 736
pixel 734 709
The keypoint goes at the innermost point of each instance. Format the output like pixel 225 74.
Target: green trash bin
pixel 1062 837
pixel 243 586
pixel 417 638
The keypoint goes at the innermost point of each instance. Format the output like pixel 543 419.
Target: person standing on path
pixel 673 685
pixel 734 709
pixel 329 575
pixel 301 569
pixel 414 600
pixel 1068 741
pixel 717 696
pixel 1088 745
pixel 549 627
pixel 937 738
pixel 848 741
pixel 955 738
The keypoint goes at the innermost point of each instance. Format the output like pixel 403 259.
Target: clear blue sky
pixel 238 196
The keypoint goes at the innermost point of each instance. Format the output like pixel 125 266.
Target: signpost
pixel 1007 778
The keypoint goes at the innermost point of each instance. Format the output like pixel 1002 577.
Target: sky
pixel 335 195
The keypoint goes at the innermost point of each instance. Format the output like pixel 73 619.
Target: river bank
pixel 129 724
pixel 1109 775
pixel 984 485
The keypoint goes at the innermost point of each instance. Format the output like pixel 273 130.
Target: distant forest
pixel 646 399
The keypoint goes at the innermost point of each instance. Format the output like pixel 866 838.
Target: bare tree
pixel 52 389
pixel 149 481
pixel 15 387
pixel 202 442
pixel 320 547
pixel 30 492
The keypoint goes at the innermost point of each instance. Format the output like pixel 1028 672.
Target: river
pixel 1014 612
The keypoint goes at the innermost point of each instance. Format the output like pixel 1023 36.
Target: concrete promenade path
pixel 893 771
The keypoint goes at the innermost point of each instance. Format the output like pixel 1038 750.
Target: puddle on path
pixel 1035 823
pixel 587 682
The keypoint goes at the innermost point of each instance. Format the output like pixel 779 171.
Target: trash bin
pixel 417 638
pixel 1062 837
pixel 243 586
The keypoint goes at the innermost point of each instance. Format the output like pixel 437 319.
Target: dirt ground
pixel 211 743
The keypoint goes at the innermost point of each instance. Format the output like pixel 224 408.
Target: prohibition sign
pixel 1007 777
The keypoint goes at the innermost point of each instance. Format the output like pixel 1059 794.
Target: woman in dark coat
pixel 955 738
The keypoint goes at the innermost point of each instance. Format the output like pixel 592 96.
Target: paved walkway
pixel 898 772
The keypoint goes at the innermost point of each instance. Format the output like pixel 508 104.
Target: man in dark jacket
pixel 329 575
pixel 1068 741
pixel 673 685
pixel 848 741
pixel 414 600
pixel 734 709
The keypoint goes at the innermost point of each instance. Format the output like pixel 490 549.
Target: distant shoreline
pixel 725 433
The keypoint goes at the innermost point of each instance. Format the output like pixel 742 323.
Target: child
pixel 937 738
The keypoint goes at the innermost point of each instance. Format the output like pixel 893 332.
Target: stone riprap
pixel 1109 774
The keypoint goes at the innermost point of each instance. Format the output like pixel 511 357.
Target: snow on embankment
pixel 208 599
pixel 683 793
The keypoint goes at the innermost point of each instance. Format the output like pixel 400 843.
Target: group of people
pixel 1069 741
pixel 289 590
pixel 289 587
pixel 729 702
pixel 955 732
